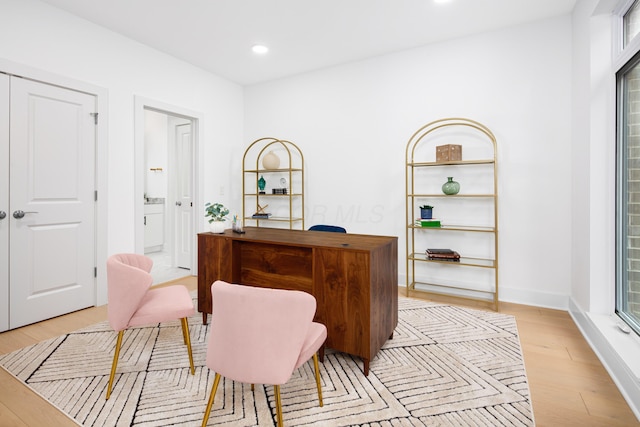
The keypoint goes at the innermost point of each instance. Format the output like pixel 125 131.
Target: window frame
pixel 626 59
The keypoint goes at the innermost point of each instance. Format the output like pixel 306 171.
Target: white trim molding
pixel 617 351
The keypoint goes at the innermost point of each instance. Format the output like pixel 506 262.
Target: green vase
pixel 450 187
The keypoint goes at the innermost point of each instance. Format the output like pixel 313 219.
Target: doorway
pixel 166 171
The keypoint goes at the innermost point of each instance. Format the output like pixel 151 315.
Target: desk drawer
pixel 276 266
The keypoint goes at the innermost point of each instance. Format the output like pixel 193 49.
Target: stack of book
pixel 443 255
pixel 428 223
pixel 261 215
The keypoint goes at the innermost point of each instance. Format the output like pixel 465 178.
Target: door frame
pixel 101 158
pixel 142 103
pixel 5 108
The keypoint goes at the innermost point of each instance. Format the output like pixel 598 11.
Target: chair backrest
pixel 256 333
pixel 331 228
pixel 128 280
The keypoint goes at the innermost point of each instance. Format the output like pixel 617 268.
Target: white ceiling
pixel 302 35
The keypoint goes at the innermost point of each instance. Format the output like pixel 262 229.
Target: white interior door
pixel 4 202
pixel 184 200
pixel 52 202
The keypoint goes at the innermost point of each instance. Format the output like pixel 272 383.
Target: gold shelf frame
pixel 252 171
pixel 422 136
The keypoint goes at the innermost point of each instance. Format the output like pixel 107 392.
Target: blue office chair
pixel 332 228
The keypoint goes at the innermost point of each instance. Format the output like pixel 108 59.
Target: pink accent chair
pixel 260 336
pixel 132 303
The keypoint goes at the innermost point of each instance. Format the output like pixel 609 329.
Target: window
pixel 628 179
pixel 631 23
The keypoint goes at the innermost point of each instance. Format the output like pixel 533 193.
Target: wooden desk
pixel 354 278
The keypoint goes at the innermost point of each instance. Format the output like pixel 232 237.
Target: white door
pixel 4 202
pixel 52 201
pixel 184 199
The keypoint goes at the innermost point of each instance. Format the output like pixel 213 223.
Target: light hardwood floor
pixel 569 386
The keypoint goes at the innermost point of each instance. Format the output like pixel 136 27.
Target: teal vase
pixel 450 187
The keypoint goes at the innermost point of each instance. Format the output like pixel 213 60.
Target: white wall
pixel 593 157
pixel 353 122
pixel 45 38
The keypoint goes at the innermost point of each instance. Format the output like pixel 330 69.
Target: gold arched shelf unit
pixel 466 223
pixel 282 200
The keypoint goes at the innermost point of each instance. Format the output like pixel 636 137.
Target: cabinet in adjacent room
pixel 154 226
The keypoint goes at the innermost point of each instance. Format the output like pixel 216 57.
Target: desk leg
pixel 204 317
pixel 366 367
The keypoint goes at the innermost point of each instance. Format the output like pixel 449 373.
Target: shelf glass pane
pixel 276 218
pixel 272 170
pixel 271 195
pixel 456 196
pixel 477 228
pixel 460 162
pixel 466 261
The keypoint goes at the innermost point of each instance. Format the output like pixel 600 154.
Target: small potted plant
pixel 217 215
pixel 426 212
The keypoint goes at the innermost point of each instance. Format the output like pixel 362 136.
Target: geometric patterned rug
pixel 445 366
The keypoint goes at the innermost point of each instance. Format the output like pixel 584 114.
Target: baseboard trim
pixel 534 298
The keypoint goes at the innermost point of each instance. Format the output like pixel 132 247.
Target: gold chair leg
pixel 216 380
pixel 184 334
pixel 318 384
pixel 116 354
pixel 187 341
pixel 276 390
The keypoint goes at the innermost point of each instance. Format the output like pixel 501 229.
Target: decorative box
pixel 448 153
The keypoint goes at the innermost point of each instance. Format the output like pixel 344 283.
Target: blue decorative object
pixel 426 212
pixel 261 184
pixel 330 228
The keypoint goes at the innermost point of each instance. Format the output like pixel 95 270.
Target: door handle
pixel 3 214
pixel 178 203
pixel 20 214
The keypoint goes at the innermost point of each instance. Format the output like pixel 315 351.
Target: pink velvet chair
pixel 132 303
pixel 261 336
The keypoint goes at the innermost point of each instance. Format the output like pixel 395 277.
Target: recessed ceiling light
pixel 441 1
pixel 261 49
